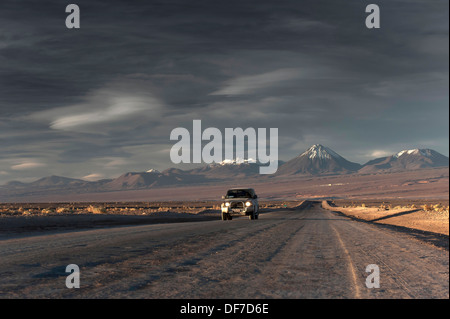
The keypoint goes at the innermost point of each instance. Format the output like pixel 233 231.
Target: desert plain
pixel 314 239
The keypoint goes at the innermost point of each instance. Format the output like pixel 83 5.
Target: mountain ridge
pixel 317 160
pixel 406 160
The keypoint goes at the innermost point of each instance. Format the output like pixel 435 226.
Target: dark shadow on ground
pixel 18 226
pixel 395 215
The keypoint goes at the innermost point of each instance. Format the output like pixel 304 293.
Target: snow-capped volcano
pixel 406 160
pixel 320 152
pixel 416 151
pixel 318 159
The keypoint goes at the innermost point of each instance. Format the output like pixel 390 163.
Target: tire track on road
pixel 228 272
pixel 408 268
pixel 350 264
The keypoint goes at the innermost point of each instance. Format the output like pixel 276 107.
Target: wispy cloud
pixel 92 177
pixel 379 153
pixel 27 166
pixel 118 109
pixel 252 83
pixel 115 162
pixel 117 104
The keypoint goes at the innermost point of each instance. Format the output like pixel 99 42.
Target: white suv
pixel 240 202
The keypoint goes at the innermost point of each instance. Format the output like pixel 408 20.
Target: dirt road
pixel 292 253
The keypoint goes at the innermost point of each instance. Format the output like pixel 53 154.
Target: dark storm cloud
pixel 111 92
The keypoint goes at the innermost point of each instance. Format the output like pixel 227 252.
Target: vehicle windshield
pixel 238 193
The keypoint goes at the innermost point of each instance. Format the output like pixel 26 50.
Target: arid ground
pixel 314 239
pixel 297 249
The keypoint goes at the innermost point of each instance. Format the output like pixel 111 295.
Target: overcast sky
pixel 101 100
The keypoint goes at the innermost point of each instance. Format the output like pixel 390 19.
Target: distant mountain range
pixel 318 160
pixel 321 160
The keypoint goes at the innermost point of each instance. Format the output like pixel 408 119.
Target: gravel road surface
pixel 288 253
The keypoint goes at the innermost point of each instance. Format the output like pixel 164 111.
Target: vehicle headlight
pixel 248 204
pixel 227 204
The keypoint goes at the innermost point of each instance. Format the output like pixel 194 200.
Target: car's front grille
pixel 237 205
